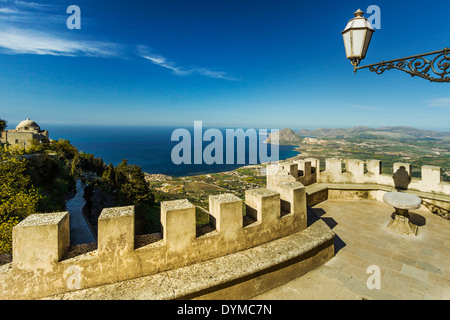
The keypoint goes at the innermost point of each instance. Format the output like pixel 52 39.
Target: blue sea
pixel 149 147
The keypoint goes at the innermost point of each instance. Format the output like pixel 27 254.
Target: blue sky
pixel 246 63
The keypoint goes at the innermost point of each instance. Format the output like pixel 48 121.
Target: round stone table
pixel 402 202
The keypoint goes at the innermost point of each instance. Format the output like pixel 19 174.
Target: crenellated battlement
pixel 40 242
pixel 44 263
pixel 352 171
pixel 355 179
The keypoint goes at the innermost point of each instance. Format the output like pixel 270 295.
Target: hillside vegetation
pixel 42 178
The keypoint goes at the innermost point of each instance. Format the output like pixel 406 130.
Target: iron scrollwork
pixel 434 70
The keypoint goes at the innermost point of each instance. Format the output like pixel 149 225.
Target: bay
pixel 149 147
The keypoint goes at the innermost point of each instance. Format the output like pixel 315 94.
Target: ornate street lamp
pixel 357 35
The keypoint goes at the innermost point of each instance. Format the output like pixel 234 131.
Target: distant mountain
pixel 287 137
pixel 390 133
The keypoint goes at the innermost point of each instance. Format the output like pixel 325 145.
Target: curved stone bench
pixel 241 275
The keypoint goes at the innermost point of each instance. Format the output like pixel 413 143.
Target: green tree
pixel 127 183
pixel 90 163
pixel 74 168
pixel 3 124
pixel 64 148
pixel 52 176
pixel 18 198
pixel 131 184
pixel 109 177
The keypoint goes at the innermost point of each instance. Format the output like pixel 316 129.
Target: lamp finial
pixel 358 13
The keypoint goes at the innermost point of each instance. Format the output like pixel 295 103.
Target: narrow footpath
pixel 80 232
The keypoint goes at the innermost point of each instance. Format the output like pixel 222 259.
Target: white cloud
pixel 26 28
pixel 6 10
pixel 21 41
pixel 439 103
pixel 26 4
pixel 164 63
pixel 214 74
pixel 27 15
pixel 31 4
pixel 16 37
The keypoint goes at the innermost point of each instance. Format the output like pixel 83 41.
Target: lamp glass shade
pixel 357 36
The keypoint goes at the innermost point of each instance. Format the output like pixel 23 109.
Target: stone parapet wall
pixel 40 242
pixel 354 171
pixel 241 275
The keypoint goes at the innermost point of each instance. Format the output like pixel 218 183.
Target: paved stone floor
pixel 411 268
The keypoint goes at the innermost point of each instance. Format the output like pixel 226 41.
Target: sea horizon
pixel 45 124
pixel 148 147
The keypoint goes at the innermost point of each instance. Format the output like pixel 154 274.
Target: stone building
pixel 26 133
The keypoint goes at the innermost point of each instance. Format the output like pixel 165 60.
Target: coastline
pixel 163 177
pixel 296 157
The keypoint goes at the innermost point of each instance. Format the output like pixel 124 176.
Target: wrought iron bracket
pixel 436 69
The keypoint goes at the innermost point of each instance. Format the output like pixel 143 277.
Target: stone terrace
pixel 412 268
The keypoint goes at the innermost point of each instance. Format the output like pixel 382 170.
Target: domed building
pixel 25 135
pixel 27 125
